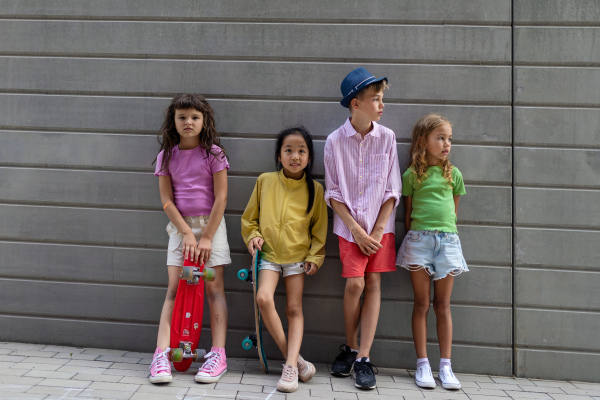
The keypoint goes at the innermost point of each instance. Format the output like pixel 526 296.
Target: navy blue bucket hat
pixel 354 82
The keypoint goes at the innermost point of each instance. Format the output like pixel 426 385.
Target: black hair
pixel 302 131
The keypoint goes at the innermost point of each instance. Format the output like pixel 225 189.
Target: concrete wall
pixel 82 90
pixel 557 196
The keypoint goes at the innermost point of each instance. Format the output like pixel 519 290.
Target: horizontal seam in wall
pixel 558 187
pixel 551 268
pixel 564 228
pixel 577 310
pixel 257 21
pixel 547 349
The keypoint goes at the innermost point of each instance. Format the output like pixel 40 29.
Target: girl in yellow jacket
pixel 286 219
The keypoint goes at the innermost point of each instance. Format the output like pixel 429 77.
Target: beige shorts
pixel 220 248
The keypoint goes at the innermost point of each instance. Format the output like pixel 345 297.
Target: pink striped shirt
pixel 362 173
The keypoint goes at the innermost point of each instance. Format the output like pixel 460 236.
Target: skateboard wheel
pixel 199 354
pixel 176 355
pixel 187 273
pixel 209 274
pixel 243 274
pixel 247 343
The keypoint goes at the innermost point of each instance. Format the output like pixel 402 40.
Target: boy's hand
pixel 310 268
pixel 366 243
pixel 377 234
pixel 204 249
pixel 255 244
pixel 190 251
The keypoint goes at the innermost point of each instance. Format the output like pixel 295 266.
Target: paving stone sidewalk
pixel 31 371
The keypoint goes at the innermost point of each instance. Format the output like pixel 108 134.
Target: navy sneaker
pixel 343 362
pixel 363 374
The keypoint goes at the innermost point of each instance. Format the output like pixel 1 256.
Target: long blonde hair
pixel 418 148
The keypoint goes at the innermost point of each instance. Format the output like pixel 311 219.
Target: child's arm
pixel 165 188
pixel 456 200
pixel 216 215
pixel 318 232
pixel 366 243
pixel 250 218
pixel 382 218
pixel 408 212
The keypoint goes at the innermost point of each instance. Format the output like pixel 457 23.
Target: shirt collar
pixel 350 131
pixel 292 183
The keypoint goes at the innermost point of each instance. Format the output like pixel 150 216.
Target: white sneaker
pixel 448 379
pixel 424 377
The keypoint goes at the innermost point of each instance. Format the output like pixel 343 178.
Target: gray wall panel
pixel 557 248
pixel 556 45
pixel 554 167
pixel 575 366
pixel 572 127
pixel 537 85
pixel 554 289
pixel 434 83
pixel 556 12
pixel 578 208
pixel 557 329
pixel 446 43
pixel 437 11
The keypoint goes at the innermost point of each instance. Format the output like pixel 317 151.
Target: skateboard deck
pixel 186 323
pixel 255 339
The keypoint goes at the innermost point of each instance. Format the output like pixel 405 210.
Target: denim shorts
pixel 284 269
pixel 438 253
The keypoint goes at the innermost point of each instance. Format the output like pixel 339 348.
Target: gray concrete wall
pixel 82 90
pixel 556 188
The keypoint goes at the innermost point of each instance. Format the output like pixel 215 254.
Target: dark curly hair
pixel 168 136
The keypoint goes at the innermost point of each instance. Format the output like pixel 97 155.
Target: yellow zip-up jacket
pixel 276 212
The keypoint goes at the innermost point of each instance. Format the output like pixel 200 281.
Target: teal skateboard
pixel 255 339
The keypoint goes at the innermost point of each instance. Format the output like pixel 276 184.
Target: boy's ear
pixel 354 103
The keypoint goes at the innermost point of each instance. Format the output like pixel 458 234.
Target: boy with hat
pixel 363 183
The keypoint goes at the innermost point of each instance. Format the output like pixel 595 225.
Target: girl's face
pixel 189 124
pixel 438 144
pixel 294 156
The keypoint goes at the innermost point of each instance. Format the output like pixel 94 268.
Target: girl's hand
pixel 255 244
pixel 190 250
pixel 204 249
pixel 310 268
pixel 366 243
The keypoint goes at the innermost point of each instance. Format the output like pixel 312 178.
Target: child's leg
pixel 421 283
pixel 294 286
pixel 164 327
pixel 266 303
pixel 352 313
pixel 441 306
pixel 370 312
pixel 215 292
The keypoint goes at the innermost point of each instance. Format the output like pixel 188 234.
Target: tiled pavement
pixel 31 371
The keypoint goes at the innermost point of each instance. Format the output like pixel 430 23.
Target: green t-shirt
pixel 432 200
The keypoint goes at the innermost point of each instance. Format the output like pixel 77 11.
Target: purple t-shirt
pixel 191 174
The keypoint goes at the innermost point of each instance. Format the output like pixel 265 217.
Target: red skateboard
pixel 186 324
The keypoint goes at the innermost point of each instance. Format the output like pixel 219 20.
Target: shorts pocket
pixel 175 238
pixel 453 238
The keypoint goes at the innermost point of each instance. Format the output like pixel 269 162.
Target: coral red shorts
pixel 356 264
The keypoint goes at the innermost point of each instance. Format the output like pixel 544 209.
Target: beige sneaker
pixel 306 370
pixel 289 379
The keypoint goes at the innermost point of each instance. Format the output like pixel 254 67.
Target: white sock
pixel 422 361
pixel 353 350
pixel 444 362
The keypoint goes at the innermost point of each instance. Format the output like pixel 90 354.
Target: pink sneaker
pixel 160 370
pixel 306 369
pixel 214 367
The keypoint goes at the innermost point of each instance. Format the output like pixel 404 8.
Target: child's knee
pixel 355 286
pixel 293 310
pixel 373 283
pixel 264 300
pixel 441 307
pixel 421 306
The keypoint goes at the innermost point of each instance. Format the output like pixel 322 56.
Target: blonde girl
pixel 431 249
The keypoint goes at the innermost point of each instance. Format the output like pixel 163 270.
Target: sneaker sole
pixel 286 389
pixel 452 386
pixel 362 387
pixel 341 374
pixel 161 379
pixel 209 379
pixel 427 385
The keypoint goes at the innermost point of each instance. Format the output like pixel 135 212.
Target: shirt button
pixel 361 160
pixel 360 177
pixel 360 193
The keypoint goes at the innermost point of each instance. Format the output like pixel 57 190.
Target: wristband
pixel 167 204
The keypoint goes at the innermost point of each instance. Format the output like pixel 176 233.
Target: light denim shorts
pixel 439 253
pixel 220 248
pixel 283 269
